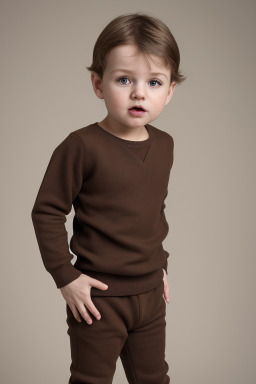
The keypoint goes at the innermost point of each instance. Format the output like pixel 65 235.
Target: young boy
pixel 115 173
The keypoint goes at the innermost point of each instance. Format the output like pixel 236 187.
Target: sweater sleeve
pixel 165 266
pixel 61 184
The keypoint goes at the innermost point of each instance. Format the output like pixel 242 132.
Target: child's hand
pixel 166 287
pixel 78 297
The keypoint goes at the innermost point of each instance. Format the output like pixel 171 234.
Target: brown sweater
pixel 117 188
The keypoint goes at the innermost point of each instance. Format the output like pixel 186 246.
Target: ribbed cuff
pixel 65 274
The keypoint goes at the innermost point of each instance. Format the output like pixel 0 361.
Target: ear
pixel 97 85
pixel 170 92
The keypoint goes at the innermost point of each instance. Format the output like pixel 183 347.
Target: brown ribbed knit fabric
pixel 117 188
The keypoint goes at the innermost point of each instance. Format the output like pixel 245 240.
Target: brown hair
pixel 148 33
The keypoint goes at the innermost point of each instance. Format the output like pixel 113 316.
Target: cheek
pixel 115 99
pixel 161 100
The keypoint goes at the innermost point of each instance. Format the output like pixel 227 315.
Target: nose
pixel 138 92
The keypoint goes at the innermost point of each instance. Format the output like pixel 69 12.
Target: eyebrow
pixel 128 71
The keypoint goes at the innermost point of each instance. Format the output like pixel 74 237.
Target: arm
pixel 61 184
pixel 165 266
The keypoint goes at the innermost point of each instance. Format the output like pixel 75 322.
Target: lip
pixel 136 112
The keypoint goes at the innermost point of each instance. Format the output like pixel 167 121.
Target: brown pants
pixel 132 327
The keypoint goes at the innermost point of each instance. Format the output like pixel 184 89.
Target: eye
pixel 123 80
pixel 154 83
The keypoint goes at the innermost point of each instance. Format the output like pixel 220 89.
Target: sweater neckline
pixel 130 143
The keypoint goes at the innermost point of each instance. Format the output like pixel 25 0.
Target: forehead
pixel 129 57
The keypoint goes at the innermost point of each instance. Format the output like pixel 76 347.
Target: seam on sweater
pixel 85 164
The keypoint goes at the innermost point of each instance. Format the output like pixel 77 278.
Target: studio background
pixel 46 93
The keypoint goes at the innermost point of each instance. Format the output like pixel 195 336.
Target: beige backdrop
pixel 46 93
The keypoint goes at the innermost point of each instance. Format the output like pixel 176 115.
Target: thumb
pixel 98 284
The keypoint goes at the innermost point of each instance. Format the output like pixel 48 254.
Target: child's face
pixel 128 81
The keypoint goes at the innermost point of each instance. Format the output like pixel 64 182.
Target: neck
pixel 123 131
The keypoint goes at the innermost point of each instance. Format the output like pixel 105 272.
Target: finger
pixel 75 312
pixel 94 311
pixel 98 284
pixel 84 313
pixel 166 293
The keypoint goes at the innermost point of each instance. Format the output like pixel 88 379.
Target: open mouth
pixel 139 109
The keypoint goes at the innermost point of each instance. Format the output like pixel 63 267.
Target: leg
pixel 143 354
pixel 95 348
